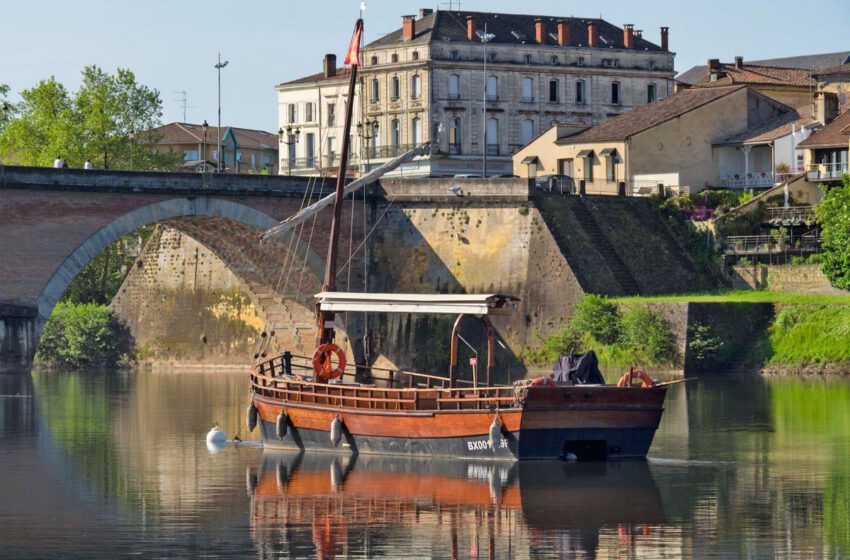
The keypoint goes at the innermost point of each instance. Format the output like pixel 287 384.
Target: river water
pixel 115 465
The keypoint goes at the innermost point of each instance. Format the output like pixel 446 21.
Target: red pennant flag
pixel 353 56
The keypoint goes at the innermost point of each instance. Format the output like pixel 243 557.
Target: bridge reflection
pixel 331 507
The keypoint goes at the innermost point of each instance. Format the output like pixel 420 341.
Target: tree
pixel 108 120
pixel 6 108
pixel 834 217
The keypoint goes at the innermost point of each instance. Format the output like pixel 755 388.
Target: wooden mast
pixel 326 318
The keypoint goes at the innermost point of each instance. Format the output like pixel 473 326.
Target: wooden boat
pixel 314 403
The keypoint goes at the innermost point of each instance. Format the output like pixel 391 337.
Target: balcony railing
pixel 378 152
pixel 826 171
pixel 792 216
pixel 492 97
pixel 492 149
pixel 454 96
pixel 314 163
pixel 747 181
pixel 527 99
pixel 454 149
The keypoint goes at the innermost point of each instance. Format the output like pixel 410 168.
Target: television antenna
pixel 451 4
pixel 184 103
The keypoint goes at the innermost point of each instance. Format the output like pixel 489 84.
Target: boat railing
pixel 288 377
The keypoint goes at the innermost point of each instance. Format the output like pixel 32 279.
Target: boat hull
pixel 599 423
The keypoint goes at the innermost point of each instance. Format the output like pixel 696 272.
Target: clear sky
pixel 172 44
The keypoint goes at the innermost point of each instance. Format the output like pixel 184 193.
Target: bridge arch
pixel 169 211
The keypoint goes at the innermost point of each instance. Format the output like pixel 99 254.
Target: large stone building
pixel 427 82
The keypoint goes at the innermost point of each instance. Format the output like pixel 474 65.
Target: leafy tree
pixel 6 108
pixel 108 120
pixel 598 317
pixel 84 335
pixel 834 217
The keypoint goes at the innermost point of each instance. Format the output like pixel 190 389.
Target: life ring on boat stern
pixel 626 380
pixel 322 364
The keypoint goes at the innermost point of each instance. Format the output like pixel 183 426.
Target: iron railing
pixel 826 171
pixel 746 181
pixel 792 216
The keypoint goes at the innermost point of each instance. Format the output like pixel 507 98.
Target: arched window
pixel 527 89
pixel 416 130
pixel 526 131
pixel 492 88
pixel 415 86
pixel 454 86
pixel 492 137
pixel 395 88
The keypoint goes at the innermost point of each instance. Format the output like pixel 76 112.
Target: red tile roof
pixel 187 133
pixel 834 135
pixel 643 118
pixel 768 131
pixel 759 75
pixel 341 75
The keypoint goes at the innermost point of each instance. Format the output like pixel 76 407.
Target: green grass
pixel 810 334
pixel 746 296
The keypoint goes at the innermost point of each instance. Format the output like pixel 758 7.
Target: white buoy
pixel 336 431
pixel 495 433
pixel 216 435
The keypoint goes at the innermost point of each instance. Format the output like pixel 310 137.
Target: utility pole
pixel 218 67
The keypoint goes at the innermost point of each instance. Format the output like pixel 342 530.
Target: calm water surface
pixel 110 466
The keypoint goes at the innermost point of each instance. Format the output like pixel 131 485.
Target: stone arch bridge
pixel 54 221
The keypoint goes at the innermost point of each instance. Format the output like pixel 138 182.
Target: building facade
pixel 311 118
pixel 672 143
pixel 427 82
pixel 243 150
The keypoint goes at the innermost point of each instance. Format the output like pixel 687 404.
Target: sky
pixel 172 45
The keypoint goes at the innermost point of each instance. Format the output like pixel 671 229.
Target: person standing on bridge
pixel 88 164
pixel 58 162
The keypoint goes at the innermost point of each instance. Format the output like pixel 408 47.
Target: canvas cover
pixel 578 369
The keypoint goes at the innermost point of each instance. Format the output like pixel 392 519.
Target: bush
pixel 84 336
pixel 598 317
pixel 834 216
pixel 703 346
pixel 647 336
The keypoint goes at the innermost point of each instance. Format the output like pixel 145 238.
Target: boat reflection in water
pixel 364 507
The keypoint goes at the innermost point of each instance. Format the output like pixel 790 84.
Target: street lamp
pixel 485 38
pixel 218 67
pixel 291 138
pixel 367 132
pixel 132 146
pixel 206 128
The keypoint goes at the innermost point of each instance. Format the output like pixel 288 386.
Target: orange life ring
pixel 322 361
pixel 626 380
pixel 543 381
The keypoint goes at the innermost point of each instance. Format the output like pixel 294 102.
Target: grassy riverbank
pixel 745 296
pixel 810 335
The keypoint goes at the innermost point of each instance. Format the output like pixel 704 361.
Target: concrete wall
pixel 795 278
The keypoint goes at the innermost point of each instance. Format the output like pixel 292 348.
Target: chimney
pixel 425 12
pixel 739 62
pixel 539 31
pixel 665 39
pixel 591 33
pixel 330 65
pixel 470 28
pixel 563 33
pixel 629 35
pixel 408 27
pixel 639 33
pixel 826 106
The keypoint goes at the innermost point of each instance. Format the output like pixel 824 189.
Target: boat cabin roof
pixel 453 304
